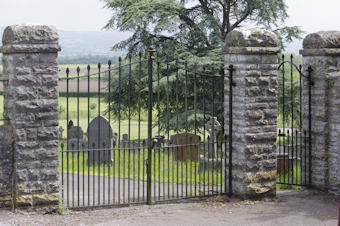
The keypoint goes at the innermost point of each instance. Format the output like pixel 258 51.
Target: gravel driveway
pixel 289 208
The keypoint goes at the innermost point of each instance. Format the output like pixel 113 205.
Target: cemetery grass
pixel 164 168
pixel 158 174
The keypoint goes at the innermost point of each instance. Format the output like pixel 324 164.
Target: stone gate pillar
pixel 31 109
pixel 253 53
pixel 321 51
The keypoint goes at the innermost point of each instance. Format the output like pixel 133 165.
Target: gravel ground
pixel 289 208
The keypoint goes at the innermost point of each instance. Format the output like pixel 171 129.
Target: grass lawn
pixel 164 168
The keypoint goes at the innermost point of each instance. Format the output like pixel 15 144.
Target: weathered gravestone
pixel 125 141
pixel 73 133
pixel 213 127
pixel 210 160
pixel 158 141
pixel 189 147
pixel 60 132
pixel 101 138
pixel 73 137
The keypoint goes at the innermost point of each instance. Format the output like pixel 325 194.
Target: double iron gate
pixel 154 131
pixel 144 129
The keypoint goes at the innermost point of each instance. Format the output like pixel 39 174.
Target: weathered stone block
pixel 321 51
pixel 31 107
pixel 254 111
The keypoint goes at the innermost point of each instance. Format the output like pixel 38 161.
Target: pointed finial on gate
pixel 151 49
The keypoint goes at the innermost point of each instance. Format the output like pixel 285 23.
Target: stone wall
pixel 253 53
pixel 321 51
pixel 334 133
pixel 31 109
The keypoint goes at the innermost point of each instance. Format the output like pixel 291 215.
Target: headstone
pixel 188 147
pixel 101 138
pixel 60 132
pixel 73 132
pixel 208 148
pixel 125 140
pixel 125 137
pixel 159 141
pixel 213 127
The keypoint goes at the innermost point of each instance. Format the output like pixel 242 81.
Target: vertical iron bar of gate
pixel 310 83
pixel 109 138
pixel 204 129
pixel 168 121
pixel 78 72
pixel 292 114
pixel 213 132
pixel 129 126
pixel 98 145
pixel 159 128
pixel 300 126
pixel 177 149
pixel 195 112
pixel 222 143
pixel 186 130
pixel 67 153
pixel 119 117
pixel 283 118
pixel 231 70
pixel 151 52
pixel 139 107
pixel 88 134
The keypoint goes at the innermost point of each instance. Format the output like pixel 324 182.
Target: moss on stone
pixel 265 176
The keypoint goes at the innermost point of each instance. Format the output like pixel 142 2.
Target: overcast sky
pixel 89 15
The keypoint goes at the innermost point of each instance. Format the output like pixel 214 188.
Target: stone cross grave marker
pixel 101 136
pixel 213 127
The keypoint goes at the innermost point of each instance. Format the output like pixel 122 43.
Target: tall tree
pixel 195 25
pixel 193 31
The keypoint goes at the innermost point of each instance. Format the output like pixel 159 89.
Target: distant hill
pixel 76 43
pixel 99 43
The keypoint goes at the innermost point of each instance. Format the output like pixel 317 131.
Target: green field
pixel 83 116
pixel 83 70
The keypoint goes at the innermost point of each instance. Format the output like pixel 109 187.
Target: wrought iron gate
pixel 294 124
pixel 166 142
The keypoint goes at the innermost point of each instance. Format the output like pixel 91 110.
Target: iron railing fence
pixel 3 119
pixel 294 142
